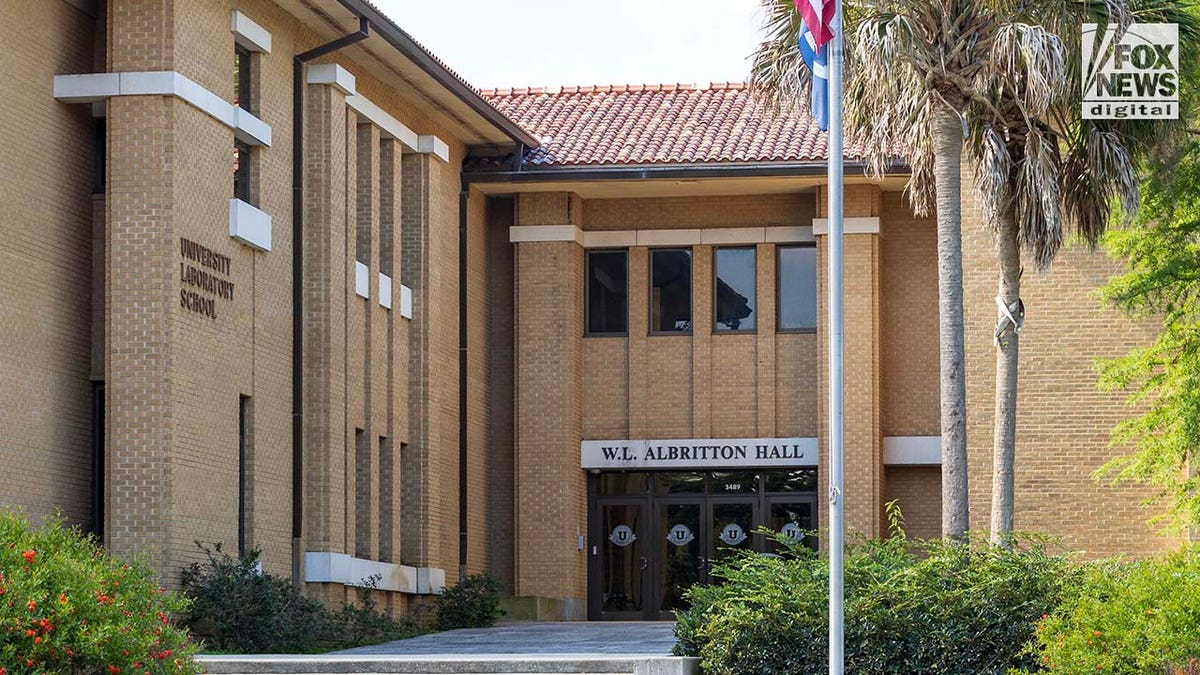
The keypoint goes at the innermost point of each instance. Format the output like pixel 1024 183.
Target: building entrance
pixel 654 534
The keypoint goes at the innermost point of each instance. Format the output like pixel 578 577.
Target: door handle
pixel 645 563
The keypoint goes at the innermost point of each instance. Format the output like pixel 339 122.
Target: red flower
pixel 28 555
pixel 62 597
pixel 113 669
pixel 162 617
pixel 37 640
pixel 29 632
pixel 32 605
pixel 3 671
pixel 102 598
pixel 1096 633
pixel 29 663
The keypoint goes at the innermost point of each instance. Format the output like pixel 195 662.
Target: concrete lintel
pixel 434 146
pixel 388 125
pixel 249 225
pixel 340 568
pixel 406 302
pixel 362 280
pixel 788 234
pixel 94 87
pixel 333 75
pixel 248 34
pixel 385 291
pixel 668 237
pixel 610 239
pixel 535 233
pixel 857 225
pixel 912 450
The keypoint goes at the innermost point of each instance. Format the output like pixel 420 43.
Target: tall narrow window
pixel 243 475
pixel 97 524
pixel 362 492
pixel 607 292
pixel 671 291
pixel 242 98
pixel 734 297
pixel 797 279
pixel 386 499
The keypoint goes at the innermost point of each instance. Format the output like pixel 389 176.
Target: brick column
pixel 396 336
pixel 414 265
pixel 550 487
pixel 861 369
pixel 325 289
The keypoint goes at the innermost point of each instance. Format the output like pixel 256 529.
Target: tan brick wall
pixel 1063 422
pixel 46 264
pixel 917 490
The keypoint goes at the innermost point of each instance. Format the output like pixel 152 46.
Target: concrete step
pixel 333 664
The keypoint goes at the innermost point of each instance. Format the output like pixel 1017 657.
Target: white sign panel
pixel 699 453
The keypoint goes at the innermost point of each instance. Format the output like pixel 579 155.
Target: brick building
pixel 276 277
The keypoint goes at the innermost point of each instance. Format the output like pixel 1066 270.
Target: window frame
pixel 243 87
pixel 733 331
pixel 779 290
pixel 587 291
pixel 650 291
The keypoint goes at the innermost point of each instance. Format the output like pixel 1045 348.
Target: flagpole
pixel 837 506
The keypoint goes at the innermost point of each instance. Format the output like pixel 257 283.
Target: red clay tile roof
pixel 658 124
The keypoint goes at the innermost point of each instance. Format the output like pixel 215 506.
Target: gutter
pixel 463 198
pixel 298 62
pixel 404 43
pixel 525 173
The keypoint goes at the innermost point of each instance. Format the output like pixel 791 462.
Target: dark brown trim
pixel 536 174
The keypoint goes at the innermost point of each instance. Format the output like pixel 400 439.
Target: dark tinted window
pixel 241 78
pixel 798 480
pixel 733 289
pixel 797 280
pixel 607 292
pixel 671 291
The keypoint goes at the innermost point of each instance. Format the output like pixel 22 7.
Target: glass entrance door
pixel 681 529
pixel 731 526
pixel 624 563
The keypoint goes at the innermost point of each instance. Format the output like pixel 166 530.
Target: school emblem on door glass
pixel 680 535
pixel 792 533
pixel 622 535
pixel 733 534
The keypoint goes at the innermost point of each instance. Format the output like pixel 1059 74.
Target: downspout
pixel 298 283
pixel 463 200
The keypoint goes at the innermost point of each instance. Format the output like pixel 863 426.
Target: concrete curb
pixel 447 664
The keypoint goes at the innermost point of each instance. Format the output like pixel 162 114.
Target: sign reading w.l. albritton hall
pixel 699 453
pixel 203 277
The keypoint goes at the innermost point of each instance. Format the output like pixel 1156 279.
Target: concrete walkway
pixel 623 638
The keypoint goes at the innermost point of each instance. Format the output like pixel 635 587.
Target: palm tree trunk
pixel 1004 443
pixel 947 165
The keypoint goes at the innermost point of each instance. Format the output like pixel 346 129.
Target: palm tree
pixel 917 71
pixel 1041 169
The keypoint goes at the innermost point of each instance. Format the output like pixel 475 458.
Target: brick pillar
pixel 702 348
pixel 415 272
pixel 141 295
pixel 550 487
pixel 861 369
pixel 325 289
pixel 765 338
pixel 396 336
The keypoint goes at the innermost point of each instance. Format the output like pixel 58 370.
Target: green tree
pixel 1161 282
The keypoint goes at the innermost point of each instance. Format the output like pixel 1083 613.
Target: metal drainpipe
pixel 364 27
pixel 463 200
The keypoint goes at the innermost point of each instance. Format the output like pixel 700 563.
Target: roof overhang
pixel 411 70
pixel 676 180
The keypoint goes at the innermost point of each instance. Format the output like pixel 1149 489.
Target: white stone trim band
pixel 339 568
pixel 720 236
pixel 92 87
pixel 912 450
pixel 248 34
pixel 390 127
pixel 860 225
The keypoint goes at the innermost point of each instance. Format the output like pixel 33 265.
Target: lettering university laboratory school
pixel 699 453
pixel 207 272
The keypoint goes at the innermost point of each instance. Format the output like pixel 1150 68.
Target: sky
pixel 523 43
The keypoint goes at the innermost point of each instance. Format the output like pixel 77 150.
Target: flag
pixel 818 18
pixel 817 60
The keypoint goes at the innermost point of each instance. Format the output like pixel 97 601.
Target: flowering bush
pixel 1140 617
pixel 68 606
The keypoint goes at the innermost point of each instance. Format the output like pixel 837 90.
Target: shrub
pixel 473 603
pixel 1141 617
pixel 237 608
pixel 68 606
pixel 911 607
